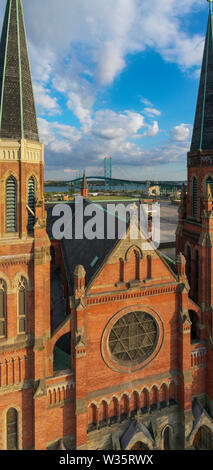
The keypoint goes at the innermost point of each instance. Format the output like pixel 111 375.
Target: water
pixel 56 189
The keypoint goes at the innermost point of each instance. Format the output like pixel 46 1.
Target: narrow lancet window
pixel 11 204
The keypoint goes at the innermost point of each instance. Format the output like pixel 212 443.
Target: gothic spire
pixel 84 182
pixel 17 107
pixel 202 138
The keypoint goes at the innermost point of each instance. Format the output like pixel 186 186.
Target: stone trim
pixel 120 388
pixel 144 292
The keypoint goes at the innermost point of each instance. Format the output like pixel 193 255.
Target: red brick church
pixel 102 344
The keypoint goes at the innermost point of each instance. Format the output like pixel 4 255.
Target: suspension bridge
pixel 103 179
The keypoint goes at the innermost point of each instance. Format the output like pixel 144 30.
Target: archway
pixel 167 438
pixel 203 439
pixel 139 446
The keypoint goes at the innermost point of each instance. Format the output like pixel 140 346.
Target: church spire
pixel 202 138
pixel 84 186
pixel 17 107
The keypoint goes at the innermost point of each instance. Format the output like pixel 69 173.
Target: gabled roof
pixel 134 428
pixel 202 138
pixel 91 253
pixel 17 108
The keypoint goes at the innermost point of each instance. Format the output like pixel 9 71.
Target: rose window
pixel 133 337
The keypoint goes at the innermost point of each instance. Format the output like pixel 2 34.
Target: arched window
pixel 137 265
pixel 93 413
pixel 2 308
pixel 11 204
pixel 194 197
pixel 167 438
pixel 12 429
pixel 121 270
pixel 203 439
pixel 209 181
pixel 31 203
pixel 22 305
pixel 149 267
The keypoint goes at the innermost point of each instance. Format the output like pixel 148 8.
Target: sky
pixel 115 78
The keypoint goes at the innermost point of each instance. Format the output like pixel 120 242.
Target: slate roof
pixel 202 138
pixel 17 107
pixel 91 253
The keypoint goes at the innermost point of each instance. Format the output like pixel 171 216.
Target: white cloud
pixel 152 112
pixel 45 103
pixel 153 129
pixel 181 133
pixel 58 138
pixel 110 125
pixel 80 47
pixel 108 31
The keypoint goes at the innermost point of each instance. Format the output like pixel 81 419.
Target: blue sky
pixel 118 78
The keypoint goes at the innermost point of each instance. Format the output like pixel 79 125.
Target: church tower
pixel 195 227
pixel 24 245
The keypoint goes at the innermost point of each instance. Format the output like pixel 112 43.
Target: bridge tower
pixel 108 172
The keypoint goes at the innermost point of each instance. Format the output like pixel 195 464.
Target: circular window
pixel 133 338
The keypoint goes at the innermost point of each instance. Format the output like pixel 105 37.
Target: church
pixel 103 345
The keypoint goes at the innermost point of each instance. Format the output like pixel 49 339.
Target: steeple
pixel 84 187
pixel 17 107
pixel 202 138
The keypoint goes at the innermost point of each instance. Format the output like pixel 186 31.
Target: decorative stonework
pixel 30 152
pixel 132 338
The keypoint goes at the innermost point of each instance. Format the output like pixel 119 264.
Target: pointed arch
pixel 12 429
pixel 209 180
pixel 154 396
pixel 31 189
pixel 149 266
pixel 22 305
pixel 203 439
pixel 163 394
pixel 124 406
pixel 114 409
pixel 167 437
pixel 11 204
pixel 103 413
pixel 134 248
pixel 145 399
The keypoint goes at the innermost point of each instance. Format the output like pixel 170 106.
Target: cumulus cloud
pixel 79 48
pixel 181 133
pixel 46 104
pixel 59 138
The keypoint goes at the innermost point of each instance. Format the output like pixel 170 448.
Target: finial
pixel 210 5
